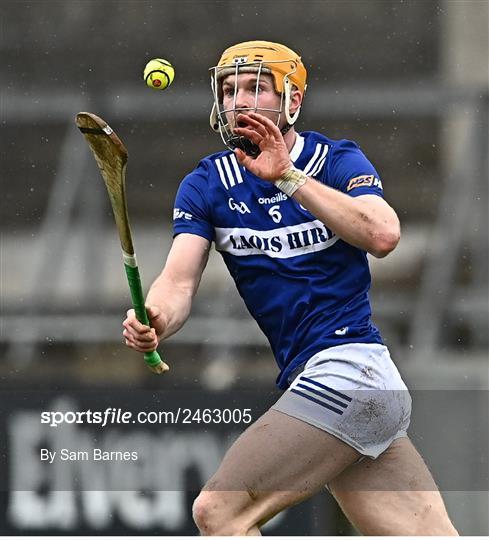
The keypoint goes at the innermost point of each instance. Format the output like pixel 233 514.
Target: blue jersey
pixel 306 288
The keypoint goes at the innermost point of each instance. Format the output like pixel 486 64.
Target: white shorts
pixel 354 392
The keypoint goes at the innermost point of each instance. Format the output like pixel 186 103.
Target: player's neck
pixel 289 139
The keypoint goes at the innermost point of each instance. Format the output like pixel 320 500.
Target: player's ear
pixel 296 97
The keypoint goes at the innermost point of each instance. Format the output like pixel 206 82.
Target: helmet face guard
pixel 260 57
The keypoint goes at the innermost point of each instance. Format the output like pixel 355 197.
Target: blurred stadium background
pixel 408 81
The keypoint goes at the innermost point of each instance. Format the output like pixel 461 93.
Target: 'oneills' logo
pixel 365 180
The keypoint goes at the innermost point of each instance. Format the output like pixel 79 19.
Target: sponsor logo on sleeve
pixel 181 214
pixel 365 180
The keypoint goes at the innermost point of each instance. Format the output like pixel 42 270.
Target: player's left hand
pixel 274 159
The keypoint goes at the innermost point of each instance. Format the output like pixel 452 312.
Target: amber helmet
pixel 259 57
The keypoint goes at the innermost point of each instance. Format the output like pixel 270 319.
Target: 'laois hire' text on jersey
pixel 306 288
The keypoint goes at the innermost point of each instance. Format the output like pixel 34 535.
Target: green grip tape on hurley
pixel 153 358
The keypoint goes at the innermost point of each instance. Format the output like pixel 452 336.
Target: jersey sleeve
pixel 191 212
pixel 350 171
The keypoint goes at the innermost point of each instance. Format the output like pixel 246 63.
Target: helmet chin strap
pixel 244 144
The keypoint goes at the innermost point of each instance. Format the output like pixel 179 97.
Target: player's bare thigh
pixel 392 495
pixel 277 462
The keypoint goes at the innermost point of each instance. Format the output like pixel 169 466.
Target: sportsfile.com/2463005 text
pixel 181 415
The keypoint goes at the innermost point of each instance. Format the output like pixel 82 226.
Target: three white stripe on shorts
pixel 323 395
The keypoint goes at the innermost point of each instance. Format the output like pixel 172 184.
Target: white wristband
pixel 291 181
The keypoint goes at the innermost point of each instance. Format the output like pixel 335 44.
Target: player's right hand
pixel 141 337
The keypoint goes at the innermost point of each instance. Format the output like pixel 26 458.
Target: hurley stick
pixel 111 157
